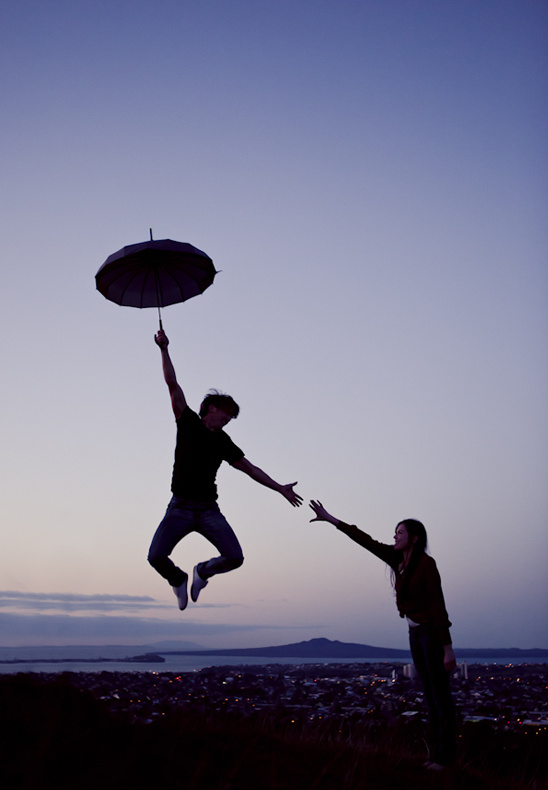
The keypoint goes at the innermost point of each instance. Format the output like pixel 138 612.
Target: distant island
pixel 327 648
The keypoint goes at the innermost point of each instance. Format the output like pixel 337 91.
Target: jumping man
pixel 201 447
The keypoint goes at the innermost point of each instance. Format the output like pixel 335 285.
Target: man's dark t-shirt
pixel 199 453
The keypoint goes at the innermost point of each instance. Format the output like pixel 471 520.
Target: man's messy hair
pixel 220 401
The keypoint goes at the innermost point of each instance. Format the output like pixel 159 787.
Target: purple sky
pixel 371 178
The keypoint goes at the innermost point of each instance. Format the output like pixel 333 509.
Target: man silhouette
pixel 202 445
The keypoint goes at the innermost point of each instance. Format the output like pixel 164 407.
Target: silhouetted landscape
pixel 273 727
pixel 319 648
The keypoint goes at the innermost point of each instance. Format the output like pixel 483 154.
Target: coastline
pixel 190 664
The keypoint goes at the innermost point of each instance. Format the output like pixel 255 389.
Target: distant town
pixel 507 697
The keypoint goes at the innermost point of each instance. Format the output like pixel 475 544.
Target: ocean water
pixel 178 663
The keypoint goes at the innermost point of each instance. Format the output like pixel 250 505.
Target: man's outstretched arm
pixel 261 477
pixel 178 400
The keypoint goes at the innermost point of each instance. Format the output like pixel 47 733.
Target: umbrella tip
pixel 150 229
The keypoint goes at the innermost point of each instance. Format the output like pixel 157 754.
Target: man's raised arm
pixel 178 400
pixel 261 477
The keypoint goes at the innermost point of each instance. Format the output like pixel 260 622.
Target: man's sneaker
pixel 198 584
pixel 181 593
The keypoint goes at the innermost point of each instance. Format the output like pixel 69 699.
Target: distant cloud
pixel 69 602
pixel 63 629
pixel 51 626
pixel 63 618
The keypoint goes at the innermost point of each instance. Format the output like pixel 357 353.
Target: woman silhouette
pixel 419 598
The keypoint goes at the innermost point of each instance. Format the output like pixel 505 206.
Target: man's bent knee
pixel 233 562
pixel 156 560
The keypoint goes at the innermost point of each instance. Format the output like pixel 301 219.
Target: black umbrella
pixel 155 274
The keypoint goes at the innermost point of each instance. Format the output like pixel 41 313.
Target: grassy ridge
pixel 54 736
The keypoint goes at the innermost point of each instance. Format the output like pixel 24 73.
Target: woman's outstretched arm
pixel 384 551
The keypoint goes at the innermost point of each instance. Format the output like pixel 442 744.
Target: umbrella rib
pixel 175 281
pixel 131 280
pixel 159 294
pixel 175 274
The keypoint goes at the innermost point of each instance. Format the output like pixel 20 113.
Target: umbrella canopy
pixel 155 274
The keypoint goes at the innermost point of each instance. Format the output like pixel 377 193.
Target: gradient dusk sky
pixel 370 178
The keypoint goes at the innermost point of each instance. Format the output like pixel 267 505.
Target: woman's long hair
pixel 415 529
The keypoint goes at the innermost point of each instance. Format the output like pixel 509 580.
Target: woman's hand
pixel 449 660
pixel 321 513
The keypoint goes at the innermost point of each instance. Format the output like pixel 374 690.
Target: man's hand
pixel 290 495
pixel 161 339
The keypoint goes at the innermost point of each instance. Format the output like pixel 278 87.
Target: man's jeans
pixel 182 517
pixel 427 652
